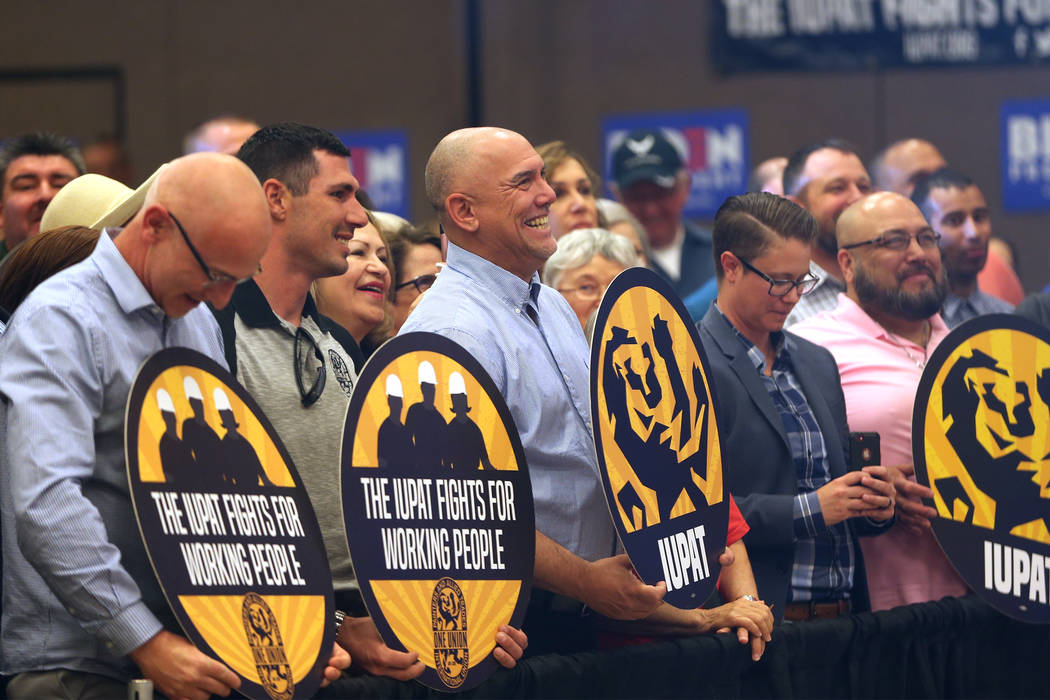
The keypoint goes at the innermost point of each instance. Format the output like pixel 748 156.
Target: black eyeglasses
pixel 899 240
pixel 421 283
pixel 309 396
pixel 214 278
pixel 781 288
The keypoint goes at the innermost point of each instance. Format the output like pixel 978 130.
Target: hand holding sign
pixel 339 662
pixel 359 636
pixel 179 670
pixel 512 645
pixel 614 590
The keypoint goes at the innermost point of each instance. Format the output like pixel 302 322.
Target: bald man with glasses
pixel 881 335
pixel 84 611
pixel 783 420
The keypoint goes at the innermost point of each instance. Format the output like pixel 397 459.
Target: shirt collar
pixel 824 277
pixel 954 304
pixel 670 257
pixel 851 312
pixel 255 311
pixel 780 340
pixel 511 289
pixel 126 286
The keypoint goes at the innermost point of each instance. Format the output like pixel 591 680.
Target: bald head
pixel 455 164
pixel 218 199
pixel 487 185
pixel 890 260
pixel 902 163
pixel 863 220
pixel 768 176
pixel 219 204
pixel 207 187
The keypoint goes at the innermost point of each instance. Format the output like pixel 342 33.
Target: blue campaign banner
pixel 380 164
pixel 715 146
pixel 1024 127
pixel 768 35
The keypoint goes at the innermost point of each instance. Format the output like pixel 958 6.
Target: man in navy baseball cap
pixel 651 180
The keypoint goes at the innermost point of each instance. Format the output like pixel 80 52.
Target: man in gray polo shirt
pixel 298 364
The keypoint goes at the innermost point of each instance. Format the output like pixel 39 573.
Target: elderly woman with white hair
pixel 586 262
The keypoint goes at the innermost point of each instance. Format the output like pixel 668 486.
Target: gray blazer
pixel 757 464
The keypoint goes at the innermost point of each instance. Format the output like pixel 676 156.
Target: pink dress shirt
pixel 879 381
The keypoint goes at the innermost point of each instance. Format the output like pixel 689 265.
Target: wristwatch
pixel 339 617
pixel 743 597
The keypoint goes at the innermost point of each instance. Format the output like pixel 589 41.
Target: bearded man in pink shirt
pixel 881 334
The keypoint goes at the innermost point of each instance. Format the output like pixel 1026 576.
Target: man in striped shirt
pixel 824 178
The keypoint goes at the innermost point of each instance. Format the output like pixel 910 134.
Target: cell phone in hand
pixel 864 450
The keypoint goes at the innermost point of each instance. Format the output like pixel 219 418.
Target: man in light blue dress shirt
pixel 83 608
pixel 488 188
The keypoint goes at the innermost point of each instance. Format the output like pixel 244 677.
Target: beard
pixel 913 306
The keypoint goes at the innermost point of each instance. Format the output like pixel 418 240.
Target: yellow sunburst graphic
pixel 171 383
pixel 644 313
pixel 483 413
pixel 987 433
pixel 406 606
pixel 218 618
